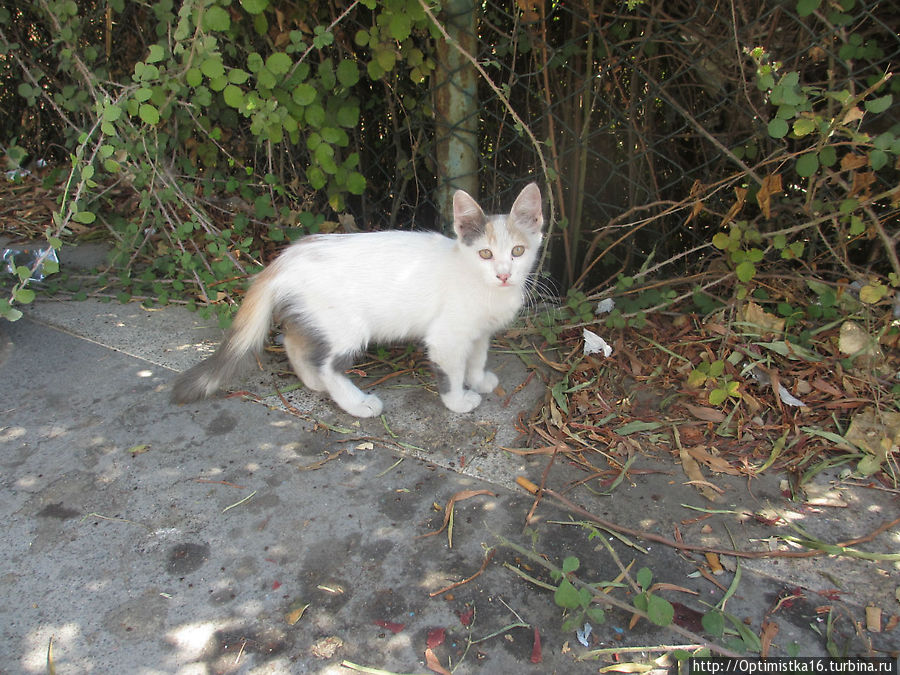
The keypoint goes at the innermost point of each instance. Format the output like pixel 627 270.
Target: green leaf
pixel 570 564
pixel 279 63
pixel 216 18
pixel 778 128
pixel 111 113
pixel 347 73
pixel 804 126
pixel 85 217
pixel 660 610
pixel 879 105
pixel 807 7
pixel 212 67
pixel 304 94
pixel 400 27
pixel 566 596
pixel 348 115
pixel 878 159
pixel 721 241
pixel 156 54
pixel 745 271
pixel 193 77
pixel 9 312
pixel 238 76
pixel 356 183
pixel 254 6
pixel 148 114
pixel 233 95
pixel 636 426
pixel 23 296
pixel 644 577
pixel 713 623
pixel 808 164
pixel 717 396
pixel 828 155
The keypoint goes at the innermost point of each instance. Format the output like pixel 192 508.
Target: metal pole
pixel 456 107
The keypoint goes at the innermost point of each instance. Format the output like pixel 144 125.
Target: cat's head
pixel 505 246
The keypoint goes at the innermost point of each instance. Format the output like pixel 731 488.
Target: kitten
pixel 336 293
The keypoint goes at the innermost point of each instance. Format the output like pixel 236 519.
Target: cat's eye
pixel 518 251
pixel 486 253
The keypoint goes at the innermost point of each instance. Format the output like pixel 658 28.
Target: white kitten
pixel 334 294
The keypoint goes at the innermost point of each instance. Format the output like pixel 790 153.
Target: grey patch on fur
pixel 443 380
pixel 206 377
pixel 318 348
pixel 341 362
pixel 471 226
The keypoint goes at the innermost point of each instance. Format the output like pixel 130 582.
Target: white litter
pixel 594 344
pixel 605 306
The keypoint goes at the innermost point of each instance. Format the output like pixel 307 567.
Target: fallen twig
pixel 484 564
pixel 831 549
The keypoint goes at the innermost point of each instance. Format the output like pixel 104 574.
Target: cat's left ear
pixel 527 211
pixel 468 219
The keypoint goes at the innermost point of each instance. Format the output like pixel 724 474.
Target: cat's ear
pixel 527 211
pixel 468 219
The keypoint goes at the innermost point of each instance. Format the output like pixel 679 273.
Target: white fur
pixel 336 294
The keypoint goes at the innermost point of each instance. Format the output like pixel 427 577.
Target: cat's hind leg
pixel 303 352
pixel 346 394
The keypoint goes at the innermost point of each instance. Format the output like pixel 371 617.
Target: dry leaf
pixel 431 660
pixel 771 185
pixel 877 433
pixel 458 497
pixel 295 611
pixel 769 631
pixel 753 314
pixel 705 414
pixel 326 647
pixel 717 464
pixel 692 469
pixel 712 559
pixel 873 619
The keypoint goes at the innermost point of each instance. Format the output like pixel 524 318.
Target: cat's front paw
pixel 485 383
pixel 367 406
pixel 461 402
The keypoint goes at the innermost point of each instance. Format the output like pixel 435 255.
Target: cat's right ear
pixel 468 219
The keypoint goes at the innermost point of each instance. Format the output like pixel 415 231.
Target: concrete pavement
pixel 283 536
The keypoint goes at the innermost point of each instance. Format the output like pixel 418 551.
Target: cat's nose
pixel 503 276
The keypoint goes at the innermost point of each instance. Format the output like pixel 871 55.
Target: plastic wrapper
pixel 27 255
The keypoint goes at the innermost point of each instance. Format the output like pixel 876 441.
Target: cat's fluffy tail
pixel 246 337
